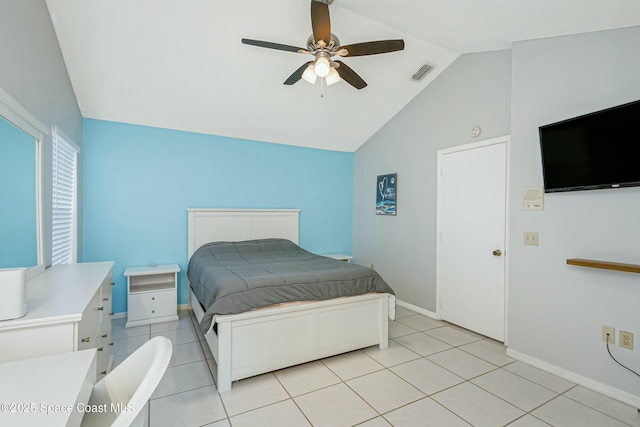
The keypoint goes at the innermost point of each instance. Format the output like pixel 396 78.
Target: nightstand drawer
pixel 149 305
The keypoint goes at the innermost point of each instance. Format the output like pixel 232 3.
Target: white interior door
pixel 472 226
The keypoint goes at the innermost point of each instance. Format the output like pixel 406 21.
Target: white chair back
pixel 125 391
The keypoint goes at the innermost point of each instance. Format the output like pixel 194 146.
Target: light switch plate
pixel 531 238
pixel 533 198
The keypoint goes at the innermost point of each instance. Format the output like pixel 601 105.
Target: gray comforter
pixel 233 277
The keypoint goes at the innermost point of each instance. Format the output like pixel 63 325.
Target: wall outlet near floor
pixel 531 238
pixel 626 340
pixel 612 334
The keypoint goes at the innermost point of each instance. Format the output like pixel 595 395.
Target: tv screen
pixel 597 150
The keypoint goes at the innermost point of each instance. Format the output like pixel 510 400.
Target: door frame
pixel 464 147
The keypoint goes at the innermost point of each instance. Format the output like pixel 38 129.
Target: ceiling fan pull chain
pixel 322 87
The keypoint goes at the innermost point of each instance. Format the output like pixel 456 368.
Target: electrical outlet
pixel 531 238
pixel 612 334
pixel 626 340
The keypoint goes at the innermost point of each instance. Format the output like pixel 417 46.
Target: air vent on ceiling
pixel 422 72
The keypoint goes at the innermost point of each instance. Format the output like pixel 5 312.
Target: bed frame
pixel 273 338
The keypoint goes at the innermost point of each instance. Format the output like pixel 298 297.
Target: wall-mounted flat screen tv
pixel 597 150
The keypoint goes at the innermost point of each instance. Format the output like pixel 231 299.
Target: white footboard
pixel 265 340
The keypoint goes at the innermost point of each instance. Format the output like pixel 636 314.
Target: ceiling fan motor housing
pixel 332 46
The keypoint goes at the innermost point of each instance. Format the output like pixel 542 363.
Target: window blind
pixel 64 228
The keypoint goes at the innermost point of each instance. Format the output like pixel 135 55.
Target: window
pixel 65 196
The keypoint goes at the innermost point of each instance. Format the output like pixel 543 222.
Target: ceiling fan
pixel 324 45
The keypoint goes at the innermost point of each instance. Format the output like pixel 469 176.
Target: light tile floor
pixel 432 374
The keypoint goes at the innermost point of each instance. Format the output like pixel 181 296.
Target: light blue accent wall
pixel 139 182
pixel 18 225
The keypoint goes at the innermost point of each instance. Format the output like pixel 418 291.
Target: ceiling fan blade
pixel 297 74
pixel 276 46
pixel 373 48
pixel 350 76
pixel 320 21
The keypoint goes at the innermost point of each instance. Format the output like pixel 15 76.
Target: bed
pixel 263 333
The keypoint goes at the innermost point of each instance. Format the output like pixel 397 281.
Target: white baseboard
pixel 417 309
pixel 589 383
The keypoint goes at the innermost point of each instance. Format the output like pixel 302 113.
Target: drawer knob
pixel 100 349
pixel 113 283
pixel 87 339
pixel 105 299
pixel 100 308
pixel 110 343
pixel 105 335
pixel 153 298
pixel 103 373
pixel 153 311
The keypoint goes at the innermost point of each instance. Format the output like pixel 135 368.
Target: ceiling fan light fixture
pixel 332 77
pixel 309 74
pixel 322 66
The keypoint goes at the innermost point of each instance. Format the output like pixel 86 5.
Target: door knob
pixel 497 252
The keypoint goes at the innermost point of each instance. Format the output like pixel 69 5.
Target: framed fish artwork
pixel 386 191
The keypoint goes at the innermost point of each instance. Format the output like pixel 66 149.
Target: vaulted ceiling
pixel 181 64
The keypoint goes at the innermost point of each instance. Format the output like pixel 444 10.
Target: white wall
pixel 556 311
pixel 34 74
pixel 474 90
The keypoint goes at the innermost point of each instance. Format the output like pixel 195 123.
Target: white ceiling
pixel 179 64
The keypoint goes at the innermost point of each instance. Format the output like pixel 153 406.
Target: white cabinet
pixel 152 294
pixel 68 309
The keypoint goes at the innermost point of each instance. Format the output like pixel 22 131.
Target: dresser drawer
pixel 89 326
pixel 106 302
pixel 105 356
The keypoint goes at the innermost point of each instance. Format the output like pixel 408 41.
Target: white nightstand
pixel 339 257
pixel 152 294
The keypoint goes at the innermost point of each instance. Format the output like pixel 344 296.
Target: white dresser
pixel 68 309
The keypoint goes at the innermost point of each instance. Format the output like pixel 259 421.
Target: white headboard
pixel 210 225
